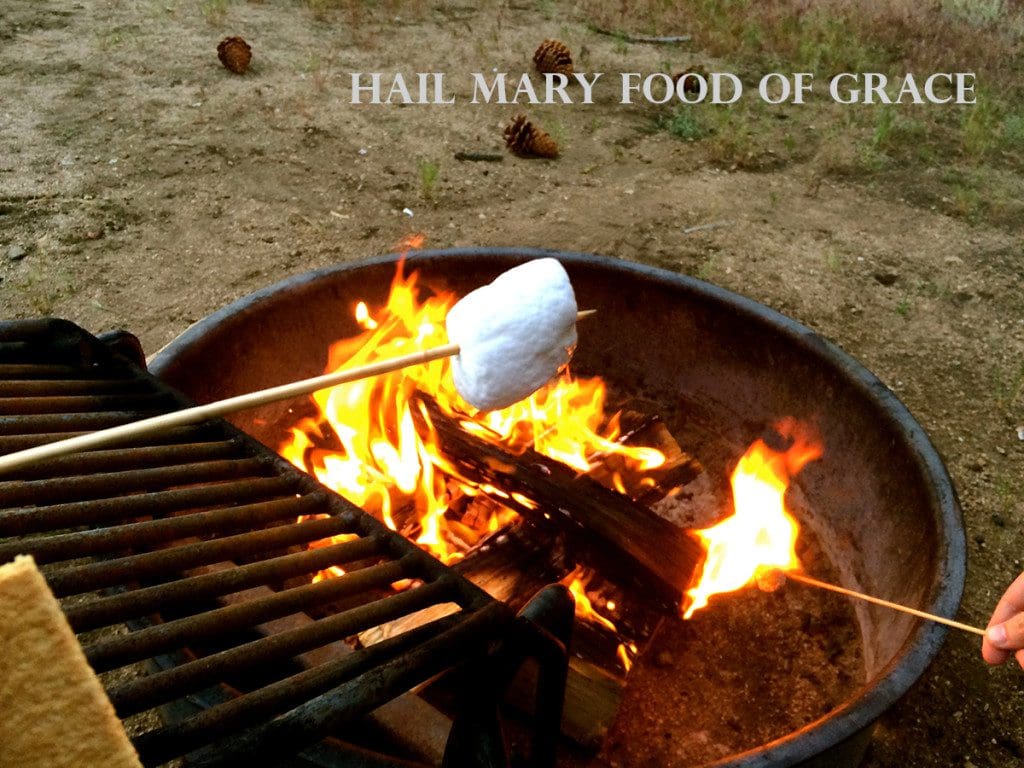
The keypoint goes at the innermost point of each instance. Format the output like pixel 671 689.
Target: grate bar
pixel 65 546
pixel 51 388
pixel 146 693
pixel 333 711
pixel 11 443
pixel 170 635
pixel 103 484
pixel 139 602
pixel 125 459
pixel 19 522
pixel 166 563
pixel 30 425
pixel 47 371
pixel 167 742
pixel 77 406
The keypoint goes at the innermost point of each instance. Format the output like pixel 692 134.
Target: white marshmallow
pixel 514 334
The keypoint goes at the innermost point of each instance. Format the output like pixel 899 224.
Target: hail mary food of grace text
pixel 659 88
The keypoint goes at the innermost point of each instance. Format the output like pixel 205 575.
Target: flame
pixel 762 533
pixel 577 582
pixel 372 441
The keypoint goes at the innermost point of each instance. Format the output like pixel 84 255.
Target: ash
pixel 750 668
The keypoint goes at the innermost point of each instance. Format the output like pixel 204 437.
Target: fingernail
pixel 997 635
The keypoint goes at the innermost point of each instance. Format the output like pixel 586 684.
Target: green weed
pixel 980 127
pixel 1008 384
pixel 429 173
pixel 681 123
pixel 1013 131
pixel 214 11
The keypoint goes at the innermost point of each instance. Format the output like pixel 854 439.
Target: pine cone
pixel 691 85
pixel 525 139
pixel 553 56
pixel 235 54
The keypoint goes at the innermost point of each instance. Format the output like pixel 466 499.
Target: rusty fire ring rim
pixel 848 721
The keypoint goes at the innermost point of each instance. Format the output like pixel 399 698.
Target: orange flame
pixel 577 582
pixel 371 441
pixel 761 534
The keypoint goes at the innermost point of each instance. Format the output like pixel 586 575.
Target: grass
pixel 910 145
pixel 682 123
pixel 44 290
pixel 429 173
pixel 214 11
pixel 1008 385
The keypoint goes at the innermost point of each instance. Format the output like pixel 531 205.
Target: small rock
pixel 979 464
pixel 886 278
pixel 94 234
pixel 998 520
pixel 17 252
pixel 663 659
pixel 1020 432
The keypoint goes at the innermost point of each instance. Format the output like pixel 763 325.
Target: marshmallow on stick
pixel 510 337
pixel 514 334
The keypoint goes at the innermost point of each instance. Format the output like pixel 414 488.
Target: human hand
pixel 1005 634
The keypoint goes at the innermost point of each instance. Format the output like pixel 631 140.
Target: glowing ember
pixel 761 534
pixel 371 440
pixel 341 538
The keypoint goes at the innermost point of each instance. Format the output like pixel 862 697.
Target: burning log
pixel 511 566
pixel 647 486
pixel 625 540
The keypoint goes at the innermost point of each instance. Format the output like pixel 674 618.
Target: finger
pixel 1003 639
pixel 991 653
pixel 1020 658
pixel 1012 602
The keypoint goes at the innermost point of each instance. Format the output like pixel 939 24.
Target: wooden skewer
pixel 198 413
pixel 811 581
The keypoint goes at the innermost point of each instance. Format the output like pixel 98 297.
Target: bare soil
pixel 143 186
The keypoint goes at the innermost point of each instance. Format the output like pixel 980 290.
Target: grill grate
pixel 193 540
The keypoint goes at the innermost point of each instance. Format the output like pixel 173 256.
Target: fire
pixel 761 534
pixel 372 441
pixel 577 582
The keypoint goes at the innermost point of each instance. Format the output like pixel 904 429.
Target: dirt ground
pixel 142 186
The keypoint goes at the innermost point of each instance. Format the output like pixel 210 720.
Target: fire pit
pixel 880 504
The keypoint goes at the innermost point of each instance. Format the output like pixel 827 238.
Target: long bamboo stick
pixel 811 581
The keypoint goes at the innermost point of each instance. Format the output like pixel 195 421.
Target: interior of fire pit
pixel 776 678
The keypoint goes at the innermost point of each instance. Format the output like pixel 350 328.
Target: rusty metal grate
pixel 180 536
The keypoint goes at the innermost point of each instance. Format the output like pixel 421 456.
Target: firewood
pixel 512 568
pixel 624 540
pixel 592 698
pixel 648 486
